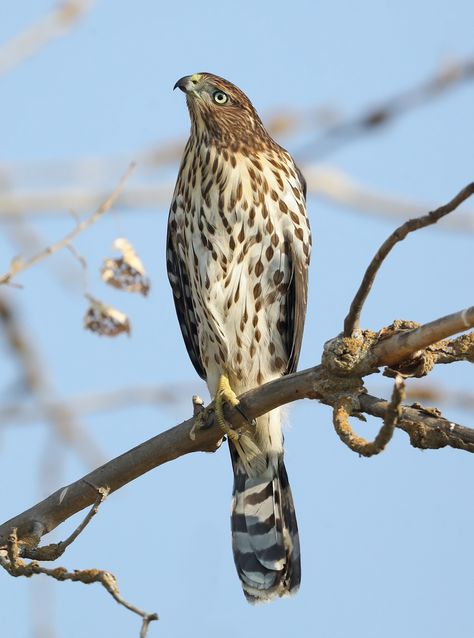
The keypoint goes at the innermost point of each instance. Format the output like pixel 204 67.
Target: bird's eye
pixel 220 97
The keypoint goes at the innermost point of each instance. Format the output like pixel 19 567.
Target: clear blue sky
pixel 385 541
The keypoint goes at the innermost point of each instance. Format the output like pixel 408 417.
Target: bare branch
pixel 351 322
pixel 52 26
pixel 56 550
pixel 320 383
pixel 73 498
pixel 342 411
pixel 402 345
pixel 460 349
pixel 427 429
pixel 15 566
pixel 20 266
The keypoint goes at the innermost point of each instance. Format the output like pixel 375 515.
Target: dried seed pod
pixel 105 320
pixel 126 272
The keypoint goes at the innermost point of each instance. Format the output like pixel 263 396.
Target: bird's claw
pixel 226 394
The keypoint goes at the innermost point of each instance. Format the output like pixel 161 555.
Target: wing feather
pixel 179 280
pixel 296 309
pixel 297 297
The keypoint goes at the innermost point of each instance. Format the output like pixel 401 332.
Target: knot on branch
pixel 459 349
pixel 350 356
pixel 397 326
pixel 426 437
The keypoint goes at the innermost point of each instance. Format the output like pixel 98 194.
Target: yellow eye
pixel 220 97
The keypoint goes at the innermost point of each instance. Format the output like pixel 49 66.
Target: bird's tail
pixel 265 538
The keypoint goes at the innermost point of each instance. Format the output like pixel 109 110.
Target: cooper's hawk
pixel 237 256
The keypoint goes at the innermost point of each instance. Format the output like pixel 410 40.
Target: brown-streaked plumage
pixel 237 256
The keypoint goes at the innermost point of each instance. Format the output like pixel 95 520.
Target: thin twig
pixel 351 322
pixel 20 265
pixel 54 551
pixel 52 26
pixel 17 567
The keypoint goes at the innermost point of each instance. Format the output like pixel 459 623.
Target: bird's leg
pixel 225 394
pixel 253 459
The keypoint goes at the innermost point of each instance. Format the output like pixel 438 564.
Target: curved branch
pixel 342 412
pixel 351 322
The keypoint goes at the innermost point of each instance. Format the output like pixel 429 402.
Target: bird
pixel 238 252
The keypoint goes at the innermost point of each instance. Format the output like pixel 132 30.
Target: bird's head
pixel 220 112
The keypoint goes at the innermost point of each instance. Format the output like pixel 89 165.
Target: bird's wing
pixel 297 296
pixel 179 280
pixel 301 177
pixel 295 308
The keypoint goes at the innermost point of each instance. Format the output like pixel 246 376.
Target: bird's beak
pixel 182 83
pixel 188 83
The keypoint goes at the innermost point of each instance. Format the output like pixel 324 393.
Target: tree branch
pixel 15 566
pixel 326 383
pixel 427 429
pixel 351 322
pixel 342 412
pixel 402 345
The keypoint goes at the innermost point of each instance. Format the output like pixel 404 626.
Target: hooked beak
pixel 182 83
pixel 188 82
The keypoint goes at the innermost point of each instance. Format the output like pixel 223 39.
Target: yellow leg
pixel 253 459
pixel 225 394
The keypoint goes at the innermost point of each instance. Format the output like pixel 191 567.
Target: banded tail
pixel 265 538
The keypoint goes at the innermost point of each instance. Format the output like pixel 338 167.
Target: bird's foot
pixel 253 460
pixel 225 394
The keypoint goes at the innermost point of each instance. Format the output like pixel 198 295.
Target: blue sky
pixel 384 541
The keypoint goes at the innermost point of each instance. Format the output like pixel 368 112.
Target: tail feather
pixel 264 531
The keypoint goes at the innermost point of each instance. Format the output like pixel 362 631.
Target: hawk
pixel 238 250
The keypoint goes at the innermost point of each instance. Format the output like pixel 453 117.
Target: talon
pixel 251 422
